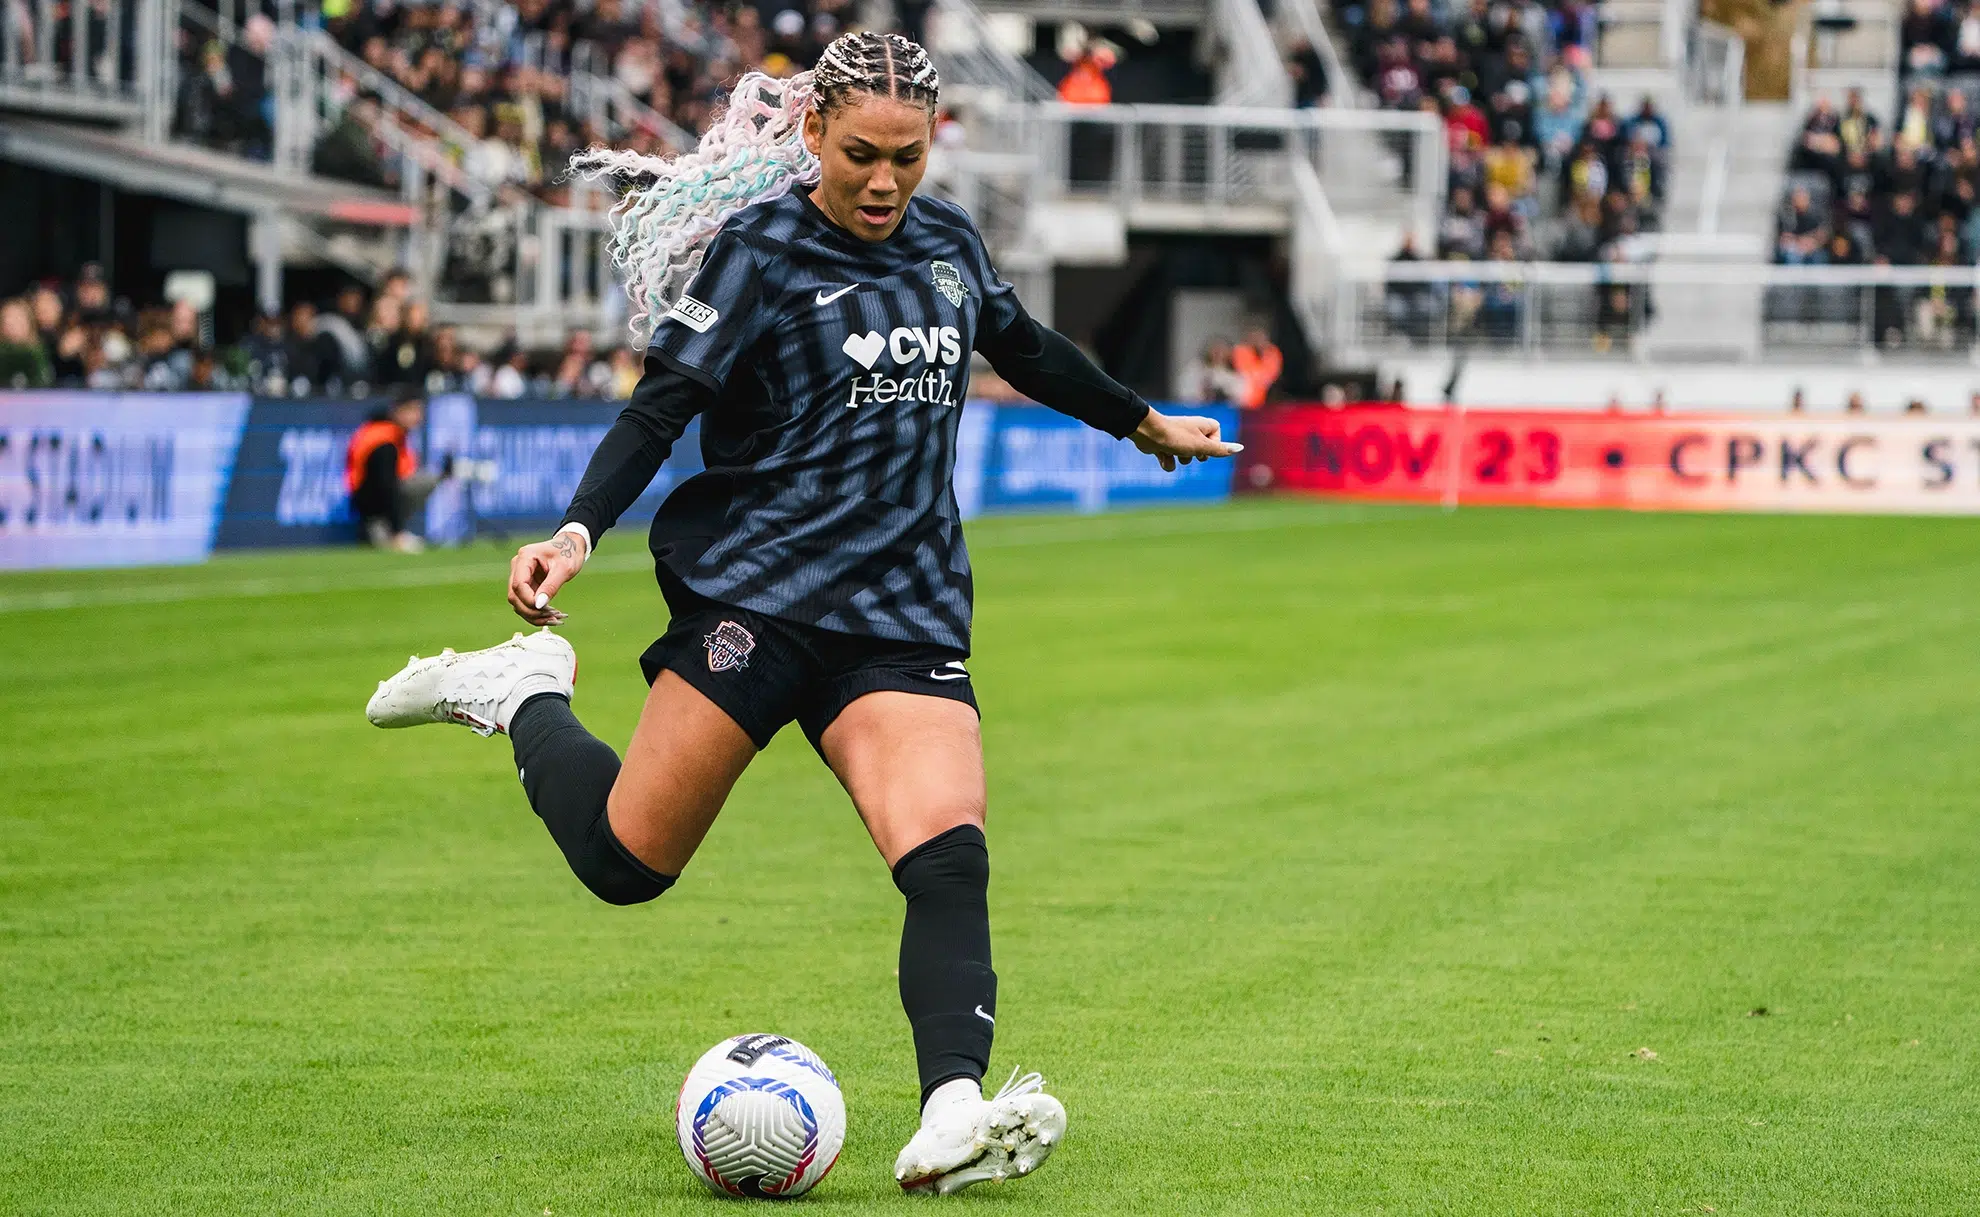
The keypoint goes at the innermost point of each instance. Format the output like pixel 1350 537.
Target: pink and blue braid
pixel 752 152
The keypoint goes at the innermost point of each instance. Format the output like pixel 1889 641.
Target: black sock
pixel 568 774
pixel 947 987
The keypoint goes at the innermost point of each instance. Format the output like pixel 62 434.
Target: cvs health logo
pixel 940 346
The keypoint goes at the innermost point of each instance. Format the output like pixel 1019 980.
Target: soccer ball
pixel 760 1115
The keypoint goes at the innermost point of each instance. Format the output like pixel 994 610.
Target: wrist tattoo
pixel 566 544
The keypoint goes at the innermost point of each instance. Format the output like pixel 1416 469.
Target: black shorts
pixel 764 672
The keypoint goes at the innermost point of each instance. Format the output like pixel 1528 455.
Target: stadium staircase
pixel 1337 184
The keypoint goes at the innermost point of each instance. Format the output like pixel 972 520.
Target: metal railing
pixel 1318 246
pixel 106 59
pixel 1715 75
pixel 1252 72
pixel 606 101
pixel 1226 156
pixel 1538 309
pixel 1714 65
pixel 1092 12
pixel 1300 21
pixel 967 53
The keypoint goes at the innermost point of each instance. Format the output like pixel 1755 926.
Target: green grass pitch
pixel 1345 861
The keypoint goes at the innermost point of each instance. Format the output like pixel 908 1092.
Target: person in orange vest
pixel 1085 82
pixel 1259 363
pixel 383 475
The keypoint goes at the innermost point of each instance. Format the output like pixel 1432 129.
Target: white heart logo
pixel 864 348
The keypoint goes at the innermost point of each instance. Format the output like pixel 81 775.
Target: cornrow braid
pixel 886 65
pixel 752 152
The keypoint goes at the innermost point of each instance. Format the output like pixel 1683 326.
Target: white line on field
pixel 1020 535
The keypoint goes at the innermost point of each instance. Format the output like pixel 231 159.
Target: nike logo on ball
pixel 824 298
pixel 985 1017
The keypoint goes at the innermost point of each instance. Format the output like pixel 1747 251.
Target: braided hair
pixel 753 151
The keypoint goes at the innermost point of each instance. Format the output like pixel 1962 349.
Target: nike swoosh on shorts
pixel 823 298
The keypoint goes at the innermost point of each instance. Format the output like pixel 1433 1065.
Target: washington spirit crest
pixel 948 281
pixel 728 647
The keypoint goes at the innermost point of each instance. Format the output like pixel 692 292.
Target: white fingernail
pixel 542 600
pixel 1237 447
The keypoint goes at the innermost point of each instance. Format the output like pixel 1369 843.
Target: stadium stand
pixel 1857 194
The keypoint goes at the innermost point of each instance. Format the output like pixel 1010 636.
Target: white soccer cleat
pixel 478 689
pixel 984 1140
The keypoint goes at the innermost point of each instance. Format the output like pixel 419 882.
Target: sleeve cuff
pixel 580 530
pixel 1131 418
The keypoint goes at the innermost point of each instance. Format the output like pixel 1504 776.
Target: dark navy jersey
pixel 840 368
pixel 830 372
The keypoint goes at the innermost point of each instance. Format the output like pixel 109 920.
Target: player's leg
pixel 913 765
pixel 627 829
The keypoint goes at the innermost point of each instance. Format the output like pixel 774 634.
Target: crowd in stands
pixel 1858 195
pixel 495 77
pixel 1540 166
pixel 1937 37
pixel 361 344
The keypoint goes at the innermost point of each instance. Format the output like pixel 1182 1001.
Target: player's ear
pixel 814 132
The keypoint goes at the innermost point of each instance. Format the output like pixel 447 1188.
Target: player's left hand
pixel 1181 439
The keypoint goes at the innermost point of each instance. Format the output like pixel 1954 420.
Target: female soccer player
pixel 821 319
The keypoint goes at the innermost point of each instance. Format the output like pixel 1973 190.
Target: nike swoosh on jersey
pixel 823 298
pixel 985 1017
pixel 948 676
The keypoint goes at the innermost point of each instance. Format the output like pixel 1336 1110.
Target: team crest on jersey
pixel 728 647
pixel 948 281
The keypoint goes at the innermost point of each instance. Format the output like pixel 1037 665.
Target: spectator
pixel 574 375
pixel 1802 233
pixel 1857 125
pixel 1309 73
pixel 49 316
pixel 1259 364
pixel 1581 235
pixel 208 106
pixel 1819 147
pixel 1500 306
pixel 1923 35
pixel 1558 122
pixel 1462 232
pixel 1641 174
pixel 24 362
pixel 626 372
pixel 1212 378
pixel 348 150
pixel 406 356
pixel 383 476
pixel 1464 123
pixel 1085 82
pixel 344 327
pixel 1898 238
pixel 1650 126
pixel 1411 305
pixel 510 377
pixel 70 355
pixel 1588 174
pixel 1953 124
pixel 265 351
pixel 93 304
pixel 310 359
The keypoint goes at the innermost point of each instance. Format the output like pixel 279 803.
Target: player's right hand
pixel 537 571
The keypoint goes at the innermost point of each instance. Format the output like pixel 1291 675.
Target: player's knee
pixel 957 860
pixel 611 872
